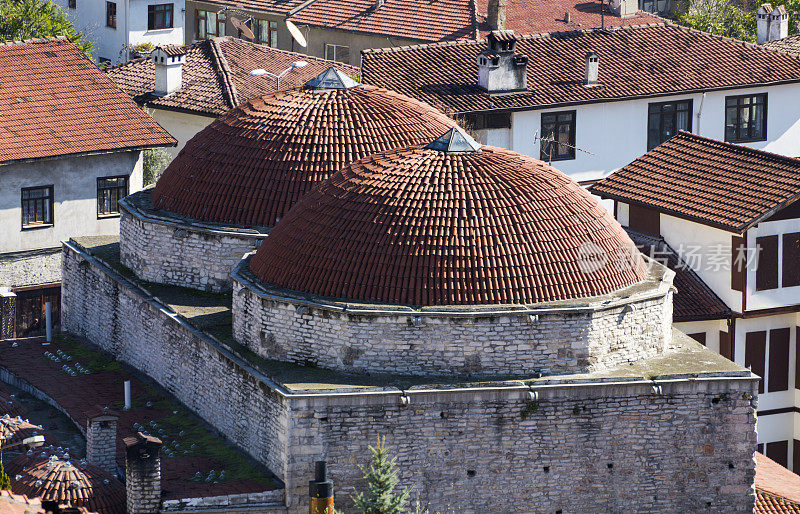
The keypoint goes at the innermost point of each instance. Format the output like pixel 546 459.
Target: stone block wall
pixel 30 268
pixel 181 254
pixel 564 340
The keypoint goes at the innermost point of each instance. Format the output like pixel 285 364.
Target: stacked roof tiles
pixel 15 430
pixel 216 75
pixel 789 44
pixel 53 478
pixel 720 184
pixel 777 488
pixel 55 102
pixel 252 164
pixel 420 226
pixel 641 61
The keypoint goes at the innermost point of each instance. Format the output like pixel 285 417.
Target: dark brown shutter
pixel 738 263
pixel 797 358
pixel 755 347
pixel 700 337
pixel 779 452
pixel 779 359
pixel 644 220
pixel 725 347
pixel 795 455
pixel 767 270
pixel 791 260
pixel 760 448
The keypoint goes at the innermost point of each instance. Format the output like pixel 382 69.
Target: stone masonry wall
pixel 137 331
pixel 563 342
pixel 20 269
pixel 597 448
pixel 181 255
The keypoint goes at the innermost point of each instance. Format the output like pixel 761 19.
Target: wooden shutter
pixel 725 346
pixel 796 358
pixel 700 337
pixel 791 260
pixel 779 452
pixel 738 263
pixel 795 455
pixel 778 359
pixel 767 270
pixel 644 220
pixel 755 347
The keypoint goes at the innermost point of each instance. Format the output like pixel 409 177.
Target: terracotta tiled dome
pixel 253 163
pixel 448 224
pixel 52 478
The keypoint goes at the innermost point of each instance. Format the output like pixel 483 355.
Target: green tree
pixel 721 17
pixel 5 482
pixel 155 160
pixel 27 19
pixel 381 476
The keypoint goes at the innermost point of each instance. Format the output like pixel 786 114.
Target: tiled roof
pixel 775 479
pixel 535 16
pixel 720 184
pixel 419 226
pixel 14 430
pixel 274 6
pixel 50 477
pixel 789 44
pixel 695 301
pixel 252 164
pixel 634 62
pixel 11 503
pixel 54 101
pixel 770 504
pixel 216 75
pixel 425 20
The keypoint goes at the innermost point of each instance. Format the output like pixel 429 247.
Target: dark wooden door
pixel 30 307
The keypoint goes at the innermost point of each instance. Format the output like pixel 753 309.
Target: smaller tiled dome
pixel 15 430
pixel 43 474
pixel 253 163
pixel 449 223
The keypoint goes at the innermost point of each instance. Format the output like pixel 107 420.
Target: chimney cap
pixel 100 413
pixel 503 35
pixel 591 54
pixel 171 50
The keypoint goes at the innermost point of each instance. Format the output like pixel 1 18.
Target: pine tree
pixel 5 482
pixel 381 477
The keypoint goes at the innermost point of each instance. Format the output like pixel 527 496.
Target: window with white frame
pixel 338 53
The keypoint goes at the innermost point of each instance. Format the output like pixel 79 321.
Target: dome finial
pixel 455 140
pixel 331 79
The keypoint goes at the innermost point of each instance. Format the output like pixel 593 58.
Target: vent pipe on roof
pixel 592 69
pixel 497 14
pixel 771 24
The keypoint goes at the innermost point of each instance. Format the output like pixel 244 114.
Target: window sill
pixel 554 159
pixel 740 141
pixel 38 226
pixel 109 215
pixel 159 31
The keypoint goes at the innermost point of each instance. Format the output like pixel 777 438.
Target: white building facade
pixel 116 28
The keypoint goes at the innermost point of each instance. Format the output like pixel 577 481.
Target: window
pixel 791 257
pixel 71 4
pixel 159 16
pixel 746 118
pixel 560 126
pixel 654 6
pixel 37 206
pixel 337 53
pixel 779 452
pixel 767 263
pixel 644 220
pixel 778 360
pixel 665 119
pixel 494 120
pixel 111 15
pixel 109 191
pixel 210 24
pixel 267 33
pixel 738 263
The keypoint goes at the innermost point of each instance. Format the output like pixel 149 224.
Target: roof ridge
pixel 45 39
pixel 298 8
pixel 224 73
pixel 740 148
pixel 238 41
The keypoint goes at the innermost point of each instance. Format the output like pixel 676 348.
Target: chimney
pixel 496 17
pixel 624 8
pixel 169 61
pixel 771 24
pixel 143 474
pixel 592 69
pixel 500 68
pixel 101 439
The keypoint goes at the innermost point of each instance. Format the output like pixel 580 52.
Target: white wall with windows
pixel 776 281
pixel 112 26
pixel 47 201
pixel 610 135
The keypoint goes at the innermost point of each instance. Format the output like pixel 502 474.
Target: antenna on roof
pixel 551 139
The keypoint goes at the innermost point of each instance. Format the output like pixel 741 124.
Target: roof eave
pixel 84 154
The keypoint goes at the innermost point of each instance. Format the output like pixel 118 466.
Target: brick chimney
pixel 500 68
pixel 496 15
pixel 771 24
pixel 169 61
pixel 101 439
pixel 143 474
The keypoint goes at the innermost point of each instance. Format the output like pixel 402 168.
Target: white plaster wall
pixel 616 132
pixel 711 328
pixel 89 17
pixel 74 183
pixel 781 296
pixel 494 137
pixel 181 126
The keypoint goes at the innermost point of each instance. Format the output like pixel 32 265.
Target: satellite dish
pixel 296 34
pixel 243 28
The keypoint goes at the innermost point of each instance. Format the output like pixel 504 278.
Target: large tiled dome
pixel 253 163
pixel 450 223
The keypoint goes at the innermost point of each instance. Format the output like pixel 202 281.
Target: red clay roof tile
pixel 252 164
pixel 775 479
pixel 422 227
pixel 54 101
pixel 719 184
pixel 770 504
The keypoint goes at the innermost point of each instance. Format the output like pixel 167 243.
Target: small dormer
pixel 500 68
pixel 169 61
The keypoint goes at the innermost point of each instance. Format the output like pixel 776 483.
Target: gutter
pixel 84 154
